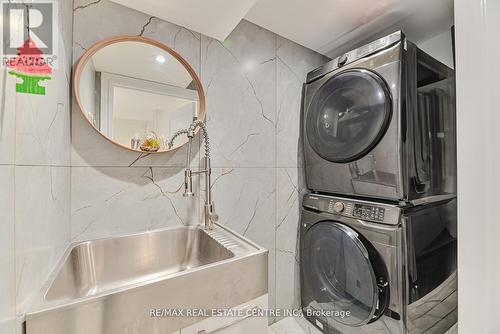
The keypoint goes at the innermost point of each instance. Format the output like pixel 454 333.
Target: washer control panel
pixel 357 209
pixel 368 212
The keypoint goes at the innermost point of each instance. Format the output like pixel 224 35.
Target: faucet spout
pixel 209 215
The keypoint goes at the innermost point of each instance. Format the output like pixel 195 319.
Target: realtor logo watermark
pixel 29 43
pixel 28 29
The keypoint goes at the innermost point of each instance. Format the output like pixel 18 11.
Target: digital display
pixel 368 212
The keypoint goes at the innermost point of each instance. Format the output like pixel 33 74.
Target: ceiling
pixel 330 27
pixel 214 18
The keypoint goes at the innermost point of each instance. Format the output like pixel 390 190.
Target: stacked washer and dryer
pixel 378 234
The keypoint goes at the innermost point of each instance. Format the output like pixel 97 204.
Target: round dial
pixel 338 207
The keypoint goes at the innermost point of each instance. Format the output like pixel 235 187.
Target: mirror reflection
pixel 137 95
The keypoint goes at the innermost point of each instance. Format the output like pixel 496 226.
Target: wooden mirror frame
pixel 129 38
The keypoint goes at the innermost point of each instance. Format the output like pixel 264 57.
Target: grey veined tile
pixel 7 117
pixel 109 201
pixel 245 201
pixel 96 20
pixel 7 254
pixel 43 124
pixel 42 213
pixel 288 201
pixel 240 83
pixel 293 63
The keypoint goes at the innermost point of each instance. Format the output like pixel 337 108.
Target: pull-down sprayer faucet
pixel 210 216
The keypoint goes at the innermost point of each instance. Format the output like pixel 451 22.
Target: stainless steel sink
pixel 98 266
pixel 111 285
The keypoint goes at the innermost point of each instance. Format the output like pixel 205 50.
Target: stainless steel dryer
pixel 368 267
pixel 379 122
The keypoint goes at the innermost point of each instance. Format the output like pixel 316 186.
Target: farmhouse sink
pixel 111 285
pixel 94 267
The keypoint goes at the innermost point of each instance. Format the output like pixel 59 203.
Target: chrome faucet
pixel 210 216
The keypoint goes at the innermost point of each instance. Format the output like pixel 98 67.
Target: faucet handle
pixel 214 218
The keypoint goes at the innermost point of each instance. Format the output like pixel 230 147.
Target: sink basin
pixel 110 285
pixel 94 267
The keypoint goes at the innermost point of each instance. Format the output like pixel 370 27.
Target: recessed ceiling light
pixel 160 59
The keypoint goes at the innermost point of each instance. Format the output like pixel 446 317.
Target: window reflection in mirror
pixel 137 95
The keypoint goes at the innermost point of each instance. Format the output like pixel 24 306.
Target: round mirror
pixel 137 92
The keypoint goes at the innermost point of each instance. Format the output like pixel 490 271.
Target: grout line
pixel 15 247
pixel 169 167
pixel 15 250
pixel 70 62
pixel 30 165
pixel 275 170
pixel 200 75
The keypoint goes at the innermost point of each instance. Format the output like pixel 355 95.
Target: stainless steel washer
pixel 379 122
pixel 368 267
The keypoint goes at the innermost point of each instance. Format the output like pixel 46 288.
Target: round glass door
pixel 338 277
pixel 348 115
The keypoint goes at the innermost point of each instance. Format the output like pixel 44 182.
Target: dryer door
pixel 348 115
pixel 342 276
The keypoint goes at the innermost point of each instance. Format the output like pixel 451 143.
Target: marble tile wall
pixel 35 149
pixel 7 251
pixel 253 83
pixel 293 64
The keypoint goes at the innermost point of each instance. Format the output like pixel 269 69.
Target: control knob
pixel 338 207
pixel 342 60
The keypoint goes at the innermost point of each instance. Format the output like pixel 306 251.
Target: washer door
pixel 348 115
pixel 341 274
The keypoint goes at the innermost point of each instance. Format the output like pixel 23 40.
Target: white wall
pixel 478 50
pixel 440 47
